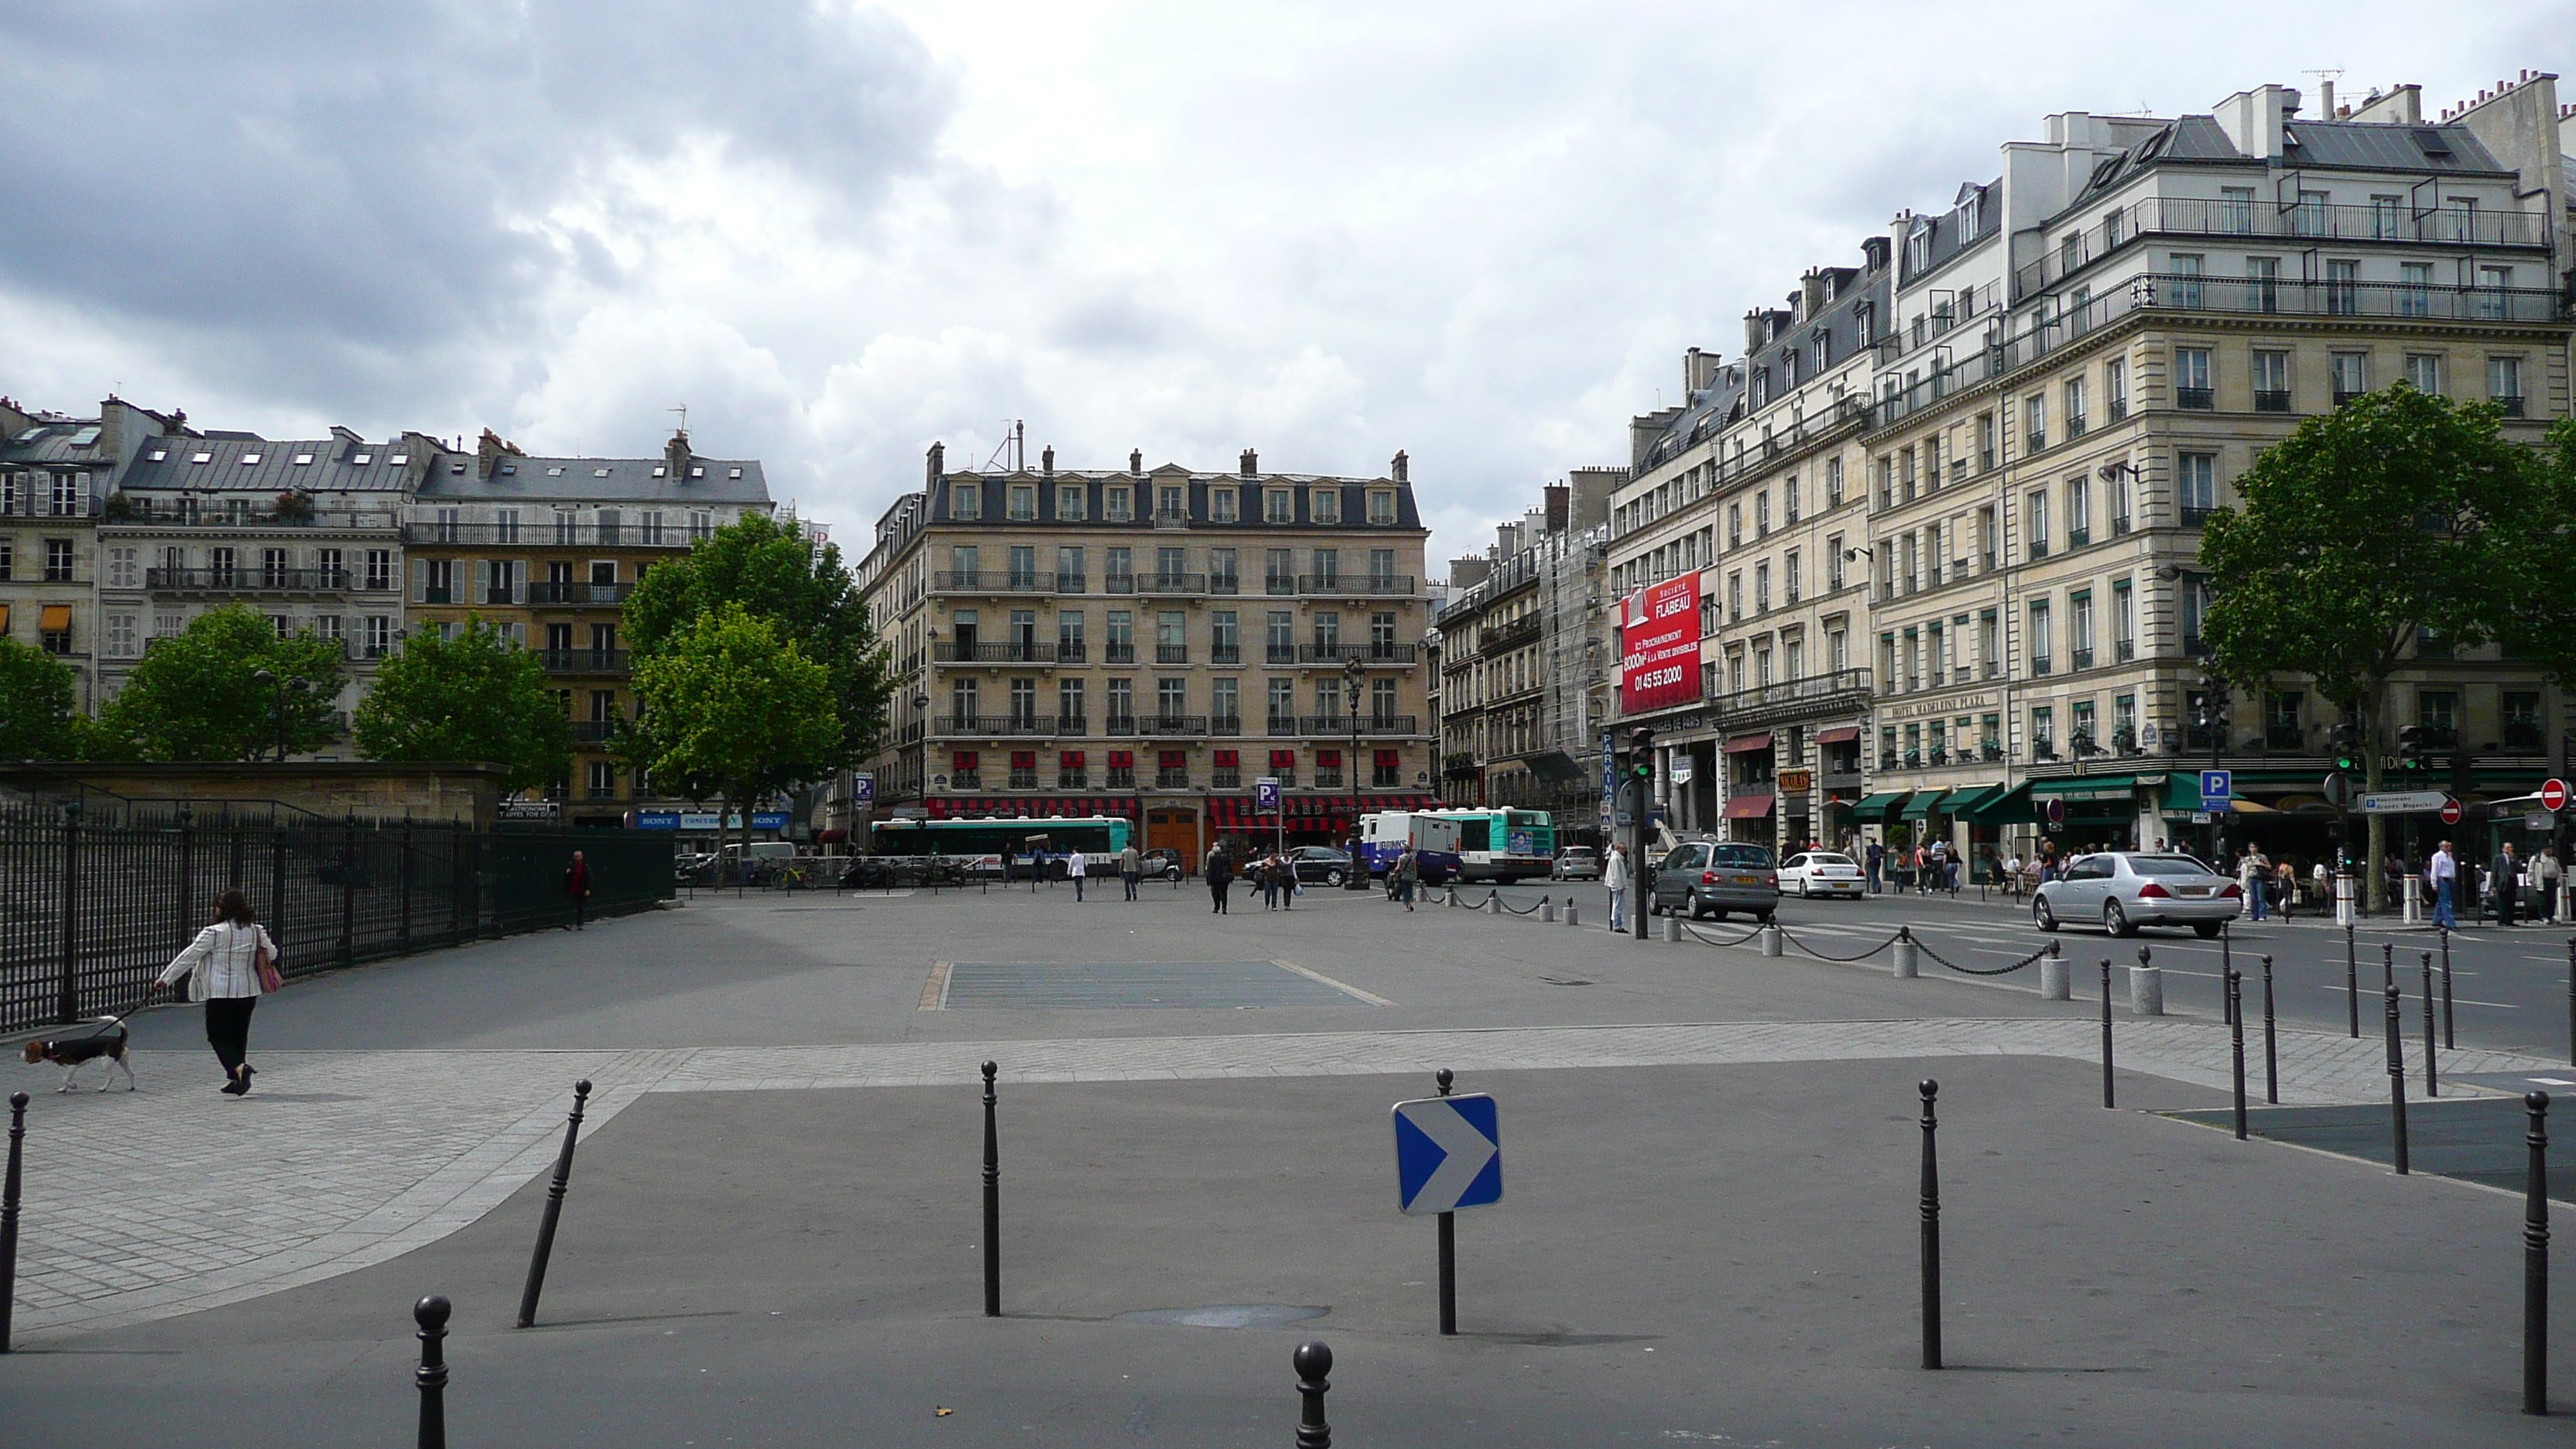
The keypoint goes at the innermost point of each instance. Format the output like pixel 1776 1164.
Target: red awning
pixel 1746 744
pixel 1839 735
pixel 958 807
pixel 1749 807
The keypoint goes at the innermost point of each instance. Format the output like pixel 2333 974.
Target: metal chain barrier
pixel 1533 910
pixel 1704 936
pixel 1841 960
pixel 1927 950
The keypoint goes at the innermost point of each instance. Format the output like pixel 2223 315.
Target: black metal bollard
pixel 2396 1081
pixel 431 1314
pixel 2387 964
pixel 2106 1034
pixel 2535 1258
pixel 2571 1001
pixel 2271 1042
pixel 992 1201
pixel 2352 981
pixel 2450 1026
pixel 2226 969
pixel 1448 1241
pixel 2432 1082
pixel 1313 1360
pixel 2236 1033
pixel 1931 1231
pixel 9 1214
pixel 554 1210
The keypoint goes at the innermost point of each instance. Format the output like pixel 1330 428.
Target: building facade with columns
pixel 1149 643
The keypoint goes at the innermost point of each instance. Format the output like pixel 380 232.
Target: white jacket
pixel 221 961
pixel 1614 871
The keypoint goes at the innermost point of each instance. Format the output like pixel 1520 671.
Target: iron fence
pixel 91 909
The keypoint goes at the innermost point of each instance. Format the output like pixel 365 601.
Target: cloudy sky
pixel 838 231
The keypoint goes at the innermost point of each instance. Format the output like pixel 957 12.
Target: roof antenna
pixel 683 411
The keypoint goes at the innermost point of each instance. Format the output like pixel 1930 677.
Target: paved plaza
pixel 787 1085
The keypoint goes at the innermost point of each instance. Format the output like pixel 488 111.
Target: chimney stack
pixel 935 465
pixel 675 454
pixel 1401 466
pixel 1753 338
pixel 1811 293
pixel 1559 503
pixel 1136 461
pixel 1251 463
pixel 1046 463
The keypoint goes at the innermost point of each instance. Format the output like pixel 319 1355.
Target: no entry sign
pixel 2450 812
pixel 2553 794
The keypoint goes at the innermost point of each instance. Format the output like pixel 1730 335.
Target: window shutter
pixel 419 580
pixel 519 586
pixel 482 581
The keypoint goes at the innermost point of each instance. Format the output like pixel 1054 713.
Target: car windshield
pixel 1824 858
pixel 1742 857
pixel 2167 865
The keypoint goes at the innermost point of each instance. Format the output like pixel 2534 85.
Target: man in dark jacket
pixel 2504 876
pixel 1220 875
pixel 576 884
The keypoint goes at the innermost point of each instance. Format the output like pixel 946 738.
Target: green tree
pixel 2543 563
pixel 2363 530
pixel 775 572
pixel 37 718
pixel 734 709
pixel 473 697
pixel 196 697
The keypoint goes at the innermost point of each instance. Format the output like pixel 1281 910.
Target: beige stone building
pixel 1149 643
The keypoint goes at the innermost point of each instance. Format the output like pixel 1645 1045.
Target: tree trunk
pixel 2375 880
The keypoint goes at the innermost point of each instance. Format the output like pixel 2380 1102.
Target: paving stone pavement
pixel 177 1199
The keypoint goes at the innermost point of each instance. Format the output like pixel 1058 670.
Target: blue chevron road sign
pixel 1448 1154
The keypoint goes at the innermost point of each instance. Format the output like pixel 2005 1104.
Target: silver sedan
pixel 2123 890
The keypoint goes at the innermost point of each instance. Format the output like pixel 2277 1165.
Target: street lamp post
pixel 2213 721
pixel 1351 674
pixel 297 684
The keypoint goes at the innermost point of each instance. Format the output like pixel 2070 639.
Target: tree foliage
pixel 2541 559
pixel 195 696
pixel 773 571
pixel 473 697
pixel 38 696
pixel 734 708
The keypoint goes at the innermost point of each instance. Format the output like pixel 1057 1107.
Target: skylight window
pixel 456 470
pixel 697 472
pixel 304 460
pixel 160 455
pixel 599 472
pixel 250 460
pixel 554 472
pixel 84 437
pixel 733 473
pixel 509 467
pixel 658 472
pixel 203 458
pixel 363 459
pixel 399 459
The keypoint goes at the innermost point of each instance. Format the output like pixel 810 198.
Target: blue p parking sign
pixel 2216 785
pixel 1265 796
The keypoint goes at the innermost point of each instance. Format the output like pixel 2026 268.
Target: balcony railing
pixel 582 661
pixel 578 594
pixel 1364 653
pixel 979 582
pixel 1225 654
pixel 1115 652
pixel 2271 400
pixel 2124 650
pixel 1225 724
pixel 2523 737
pixel 2200 216
pixel 594 731
pixel 995 725
pixel 250 580
pixel 1170 584
pixel 1171 724
pixel 2287 736
pixel 1282 724
pixel 1225 583
pixel 1369 724
pixel 2079 659
pixel 1279 654
pixel 1171 654
pixel 946 652
pixel 1355 583
pixel 546 533
pixel 2193 517
pixel 1513 634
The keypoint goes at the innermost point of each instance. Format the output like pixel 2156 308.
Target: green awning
pixel 1872 809
pixel 1921 804
pixel 2008 806
pixel 2073 788
pixel 1959 802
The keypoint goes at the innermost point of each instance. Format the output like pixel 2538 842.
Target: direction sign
pixel 2450 811
pixel 2553 795
pixel 1265 796
pixel 2216 785
pixel 1448 1154
pixel 2403 802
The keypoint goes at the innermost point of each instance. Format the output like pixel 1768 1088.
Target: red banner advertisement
pixel 1660 659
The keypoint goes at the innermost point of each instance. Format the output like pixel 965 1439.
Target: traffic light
pixel 2410 750
pixel 2463 773
pixel 1641 744
pixel 2347 747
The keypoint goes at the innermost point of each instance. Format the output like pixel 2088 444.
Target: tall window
pixel 2040 659
pixel 2424 372
pixel 2034 524
pixel 2034 422
pixel 2343 287
pixel 2195 486
pixel 2079 630
pixel 2186 282
pixel 2504 384
pixel 2115 389
pixel 2124 621
pixel 1070 716
pixel 2271 382
pixel 2192 387
pixel 2077 418
pixel 1070 502
pixel 2351 376
pixel 2263 283
pixel 1283 706
pixel 1833 482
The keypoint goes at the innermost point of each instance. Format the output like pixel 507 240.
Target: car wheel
pixel 2116 921
pixel 2042 917
pixel 1334 877
pixel 2205 930
pixel 1699 910
pixel 1802 888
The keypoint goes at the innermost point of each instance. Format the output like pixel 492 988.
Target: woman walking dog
pixel 229 965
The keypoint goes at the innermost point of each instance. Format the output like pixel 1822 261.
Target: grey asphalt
pixel 1709 1255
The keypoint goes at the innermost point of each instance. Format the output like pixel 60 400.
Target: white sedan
pixel 1821 873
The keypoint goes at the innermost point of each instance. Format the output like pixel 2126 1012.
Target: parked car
pixel 1821 873
pixel 1576 862
pixel 1712 877
pixel 1164 863
pixel 1321 863
pixel 2122 890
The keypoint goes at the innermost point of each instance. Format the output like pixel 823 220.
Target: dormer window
pixel 509 467
pixel 456 470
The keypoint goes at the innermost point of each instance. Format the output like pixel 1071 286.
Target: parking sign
pixel 1265 795
pixel 2216 785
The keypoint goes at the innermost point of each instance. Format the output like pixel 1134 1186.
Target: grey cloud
pixel 335 186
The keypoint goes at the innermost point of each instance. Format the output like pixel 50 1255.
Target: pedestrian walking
pixel 1288 886
pixel 576 887
pixel 1077 865
pixel 2254 878
pixel 228 966
pixel 1408 869
pixel 1877 858
pixel 2505 879
pixel 1131 868
pixel 2444 874
pixel 2546 874
pixel 1220 877
pixel 1614 879
pixel 2285 885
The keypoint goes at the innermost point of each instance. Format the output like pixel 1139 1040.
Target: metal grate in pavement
pixel 1130 985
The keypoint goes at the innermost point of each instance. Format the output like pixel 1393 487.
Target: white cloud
pixel 1482 234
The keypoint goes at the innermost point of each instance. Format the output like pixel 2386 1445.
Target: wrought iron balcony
pixel 578 595
pixel 1367 584
pixel 582 661
pixel 1171 654
pixel 594 731
pixel 1364 653
pixel 238 580
pixel 995 726
pixel 947 652
pixel 980 582
pixel 1176 725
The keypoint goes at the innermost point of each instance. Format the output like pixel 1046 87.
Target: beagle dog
pixel 73 1053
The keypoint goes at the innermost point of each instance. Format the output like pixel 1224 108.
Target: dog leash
pixel 117 1019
